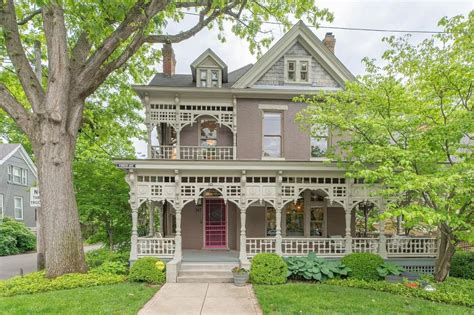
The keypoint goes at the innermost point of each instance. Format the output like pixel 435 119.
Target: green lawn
pixel 298 298
pixel 123 298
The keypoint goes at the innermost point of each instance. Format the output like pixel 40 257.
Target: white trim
pixel 301 33
pixel 272 107
pixel 15 208
pixel 271 158
pixel 25 156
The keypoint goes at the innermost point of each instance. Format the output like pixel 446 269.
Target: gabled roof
pixel 211 54
pixel 7 150
pixel 302 34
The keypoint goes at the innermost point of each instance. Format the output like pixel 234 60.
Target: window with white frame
pixel 319 141
pixel 209 77
pixel 297 69
pixel 272 134
pixel 17 175
pixel 1 206
pixel 18 207
pixel 208 132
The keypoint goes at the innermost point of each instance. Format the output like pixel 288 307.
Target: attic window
pixel 297 69
pixel 209 77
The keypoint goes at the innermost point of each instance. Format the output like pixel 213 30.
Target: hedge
pixel 268 269
pixel 363 265
pixel 148 269
pixel 462 265
pixel 15 238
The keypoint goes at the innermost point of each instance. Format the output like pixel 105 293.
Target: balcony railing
pixel 365 245
pixel 167 152
pixel 319 246
pixel 256 245
pixel 405 247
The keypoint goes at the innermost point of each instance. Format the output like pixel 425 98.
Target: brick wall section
pixel 169 60
pixel 276 75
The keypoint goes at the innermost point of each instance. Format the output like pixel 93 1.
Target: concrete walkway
pixel 202 298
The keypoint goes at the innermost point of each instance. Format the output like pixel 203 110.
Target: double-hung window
pixel 1 206
pixel 297 69
pixel 272 134
pixel 203 78
pixel 215 78
pixel 17 175
pixel 208 77
pixel 319 141
pixel 18 207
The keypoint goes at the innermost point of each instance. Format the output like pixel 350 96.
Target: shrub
pixel 268 269
pixel 314 268
pixel 16 238
pixel 462 265
pixel 451 291
pixel 389 269
pixel 363 265
pixel 97 257
pixel 37 282
pixel 111 267
pixel 147 270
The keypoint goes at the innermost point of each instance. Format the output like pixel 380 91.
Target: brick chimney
pixel 169 60
pixel 330 41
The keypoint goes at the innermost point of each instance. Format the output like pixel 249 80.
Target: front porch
pixel 208 210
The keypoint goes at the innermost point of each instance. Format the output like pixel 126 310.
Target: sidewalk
pixel 202 298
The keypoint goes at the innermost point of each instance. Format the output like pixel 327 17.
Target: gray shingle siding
pixel 276 74
pixel 10 190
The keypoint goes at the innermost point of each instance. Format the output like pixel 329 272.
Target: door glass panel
pixel 295 219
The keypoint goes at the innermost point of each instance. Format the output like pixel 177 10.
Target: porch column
pixel 234 128
pixel 244 262
pixel 178 128
pixel 278 238
pixel 160 217
pixel 151 223
pixel 382 239
pixel 348 236
pixel 178 253
pixel 134 245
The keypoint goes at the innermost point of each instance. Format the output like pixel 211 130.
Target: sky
pixel 351 46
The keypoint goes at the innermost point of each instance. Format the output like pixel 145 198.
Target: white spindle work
pixel 365 245
pixel 412 247
pixel 260 245
pixel 319 246
pixel 158 247
pixel 168 152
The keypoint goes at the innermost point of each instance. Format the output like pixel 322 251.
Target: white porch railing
pixel 412 247
pixel 256 245
pixel 319 246
pixel 159 247
pixel 167 152
pixel 365 245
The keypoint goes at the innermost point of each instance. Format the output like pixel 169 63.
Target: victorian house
pixel 232 174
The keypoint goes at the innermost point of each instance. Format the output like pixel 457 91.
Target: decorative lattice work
pixel 163 113
pixel 156 179
pixel 156 190
pixel 206 153
pixel 314 180
pixel 365 245
pixel 260 245
pixel 426 269
pixel 159 247
pixel 188 191
pixel 164 152
pixel 319 246
pixel 403 247
pixel 339 191
pixel 233 191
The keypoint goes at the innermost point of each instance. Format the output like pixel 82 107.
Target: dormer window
pixel 203 78
pixel 209 78
pixel 297 69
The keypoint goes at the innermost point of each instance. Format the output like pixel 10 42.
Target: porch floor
pixel 192 255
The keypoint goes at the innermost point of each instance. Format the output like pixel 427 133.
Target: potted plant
pixel 241 276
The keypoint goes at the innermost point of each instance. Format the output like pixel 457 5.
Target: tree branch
pixel 15 110
pixel 30 83
pixel 29 17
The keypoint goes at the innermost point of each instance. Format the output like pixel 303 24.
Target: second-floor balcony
pixel 169 152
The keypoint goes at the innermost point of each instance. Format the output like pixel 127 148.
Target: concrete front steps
pixel 206 272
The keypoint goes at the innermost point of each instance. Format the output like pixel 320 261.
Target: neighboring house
pixel 17 174
pixel 229 168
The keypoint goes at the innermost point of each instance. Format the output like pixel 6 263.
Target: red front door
pixel 215 228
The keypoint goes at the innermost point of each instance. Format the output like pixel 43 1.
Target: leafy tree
pixel 409 124
pixel 86 42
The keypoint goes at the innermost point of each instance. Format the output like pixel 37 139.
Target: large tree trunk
pixel 446 250
pixel 54 150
